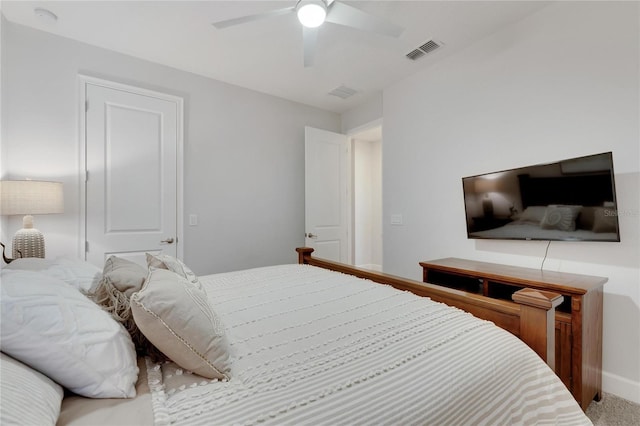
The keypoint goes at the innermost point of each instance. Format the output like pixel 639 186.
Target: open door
pixel 326 194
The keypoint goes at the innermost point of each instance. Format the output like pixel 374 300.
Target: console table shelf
pixel 578 319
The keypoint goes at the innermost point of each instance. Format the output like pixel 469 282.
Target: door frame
pixel 351 226
pixel 83 81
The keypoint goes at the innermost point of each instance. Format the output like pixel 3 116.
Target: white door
pixel 132 196
pixel 326 194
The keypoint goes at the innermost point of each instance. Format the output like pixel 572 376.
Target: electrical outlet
pixel 396 219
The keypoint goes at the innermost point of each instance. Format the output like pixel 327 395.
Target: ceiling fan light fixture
pixel 45 15
pixel 312 13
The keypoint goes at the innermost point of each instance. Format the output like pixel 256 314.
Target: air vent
pixel 343 92
pixel 423 49
pixel 429 46
pixel 415 54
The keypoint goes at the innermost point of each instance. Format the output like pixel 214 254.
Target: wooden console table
pixel 578 319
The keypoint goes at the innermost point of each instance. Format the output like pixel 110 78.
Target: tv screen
pixel 569 200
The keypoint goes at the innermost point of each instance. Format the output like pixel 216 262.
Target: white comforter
pixel 316 347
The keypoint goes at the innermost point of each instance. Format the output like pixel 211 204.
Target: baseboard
pixel 620 386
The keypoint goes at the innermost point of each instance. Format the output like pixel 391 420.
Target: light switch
pixel 193 220
pixel 396 219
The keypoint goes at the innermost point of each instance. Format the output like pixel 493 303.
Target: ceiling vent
pixel 343 92
pixel 423 49
pixel 415 54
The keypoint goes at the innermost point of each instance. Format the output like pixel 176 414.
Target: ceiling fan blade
pixel 349 16
pixel 250 18
pixel 310 39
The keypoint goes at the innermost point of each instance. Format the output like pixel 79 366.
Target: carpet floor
pixel 614 411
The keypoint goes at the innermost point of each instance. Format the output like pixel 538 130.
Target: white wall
pixel 244 151
pixel 561 83
pixel 368 203
pixel 363 115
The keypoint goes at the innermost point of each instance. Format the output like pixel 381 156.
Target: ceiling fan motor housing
pixel 311 13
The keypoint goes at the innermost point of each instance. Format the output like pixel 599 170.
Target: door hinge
pixel 86 106
pixel 86 246
pixel 86 175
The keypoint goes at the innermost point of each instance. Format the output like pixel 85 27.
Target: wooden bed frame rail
pixel 531 317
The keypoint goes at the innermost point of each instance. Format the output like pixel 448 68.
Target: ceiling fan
pixel 313 13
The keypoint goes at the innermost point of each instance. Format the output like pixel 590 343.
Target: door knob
pixel 310 235
pixel 167 241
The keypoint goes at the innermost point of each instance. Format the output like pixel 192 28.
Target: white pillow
pixel 28 397
pixel 533 214
pixel 605 220
pixel 176 317
pixel 52 327
pixel 82 275
pixel 560 217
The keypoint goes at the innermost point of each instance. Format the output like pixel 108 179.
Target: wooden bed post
pixel 304 253
pixel 537 321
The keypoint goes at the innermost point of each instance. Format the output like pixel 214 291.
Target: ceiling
pixel 266 55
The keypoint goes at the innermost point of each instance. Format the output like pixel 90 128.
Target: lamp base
pixel 28 242
pixel 487 207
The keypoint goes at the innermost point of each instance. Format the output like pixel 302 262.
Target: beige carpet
pixel 614 411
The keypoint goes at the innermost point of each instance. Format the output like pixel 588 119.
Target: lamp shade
pixel 30 197
pixel 495 183
pixel 486 185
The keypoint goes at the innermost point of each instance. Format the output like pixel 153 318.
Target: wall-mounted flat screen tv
pixel 569 200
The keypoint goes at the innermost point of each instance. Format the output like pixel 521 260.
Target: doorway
pixel 367 198
pixel 343 195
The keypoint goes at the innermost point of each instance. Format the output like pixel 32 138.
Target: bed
pixel 302 345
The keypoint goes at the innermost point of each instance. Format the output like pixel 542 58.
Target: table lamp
pixel 29 197
pixel 485 186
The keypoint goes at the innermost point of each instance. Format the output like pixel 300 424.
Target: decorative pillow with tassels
pixel 176 316
pixel 120 279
